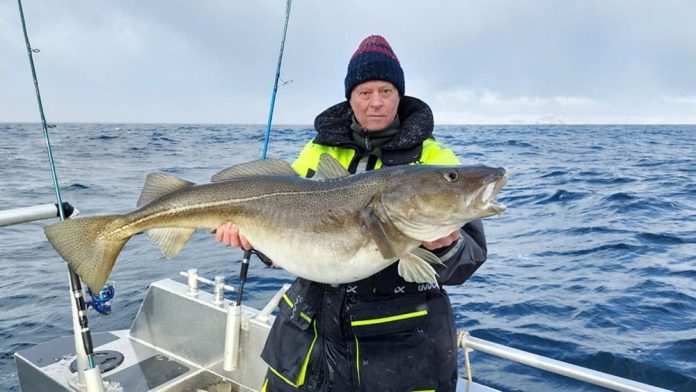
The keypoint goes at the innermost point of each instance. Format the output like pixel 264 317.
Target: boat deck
pixel 176 343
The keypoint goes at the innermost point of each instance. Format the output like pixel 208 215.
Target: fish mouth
pixel 485 200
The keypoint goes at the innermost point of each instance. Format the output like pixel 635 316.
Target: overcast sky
pixel 486 61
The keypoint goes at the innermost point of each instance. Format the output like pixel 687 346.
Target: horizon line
pixel 312 126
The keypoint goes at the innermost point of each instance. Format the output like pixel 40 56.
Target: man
pixel 381 333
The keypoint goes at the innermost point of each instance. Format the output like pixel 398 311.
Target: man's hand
pixel 228 234
pixel 443 242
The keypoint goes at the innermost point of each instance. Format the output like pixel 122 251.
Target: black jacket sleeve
pixel 463 257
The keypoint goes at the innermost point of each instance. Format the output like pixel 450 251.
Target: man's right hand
pixel 228 234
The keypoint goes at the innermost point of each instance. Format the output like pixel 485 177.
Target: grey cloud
pixel 214 61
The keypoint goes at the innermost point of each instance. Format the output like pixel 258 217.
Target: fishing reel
pixel 101 302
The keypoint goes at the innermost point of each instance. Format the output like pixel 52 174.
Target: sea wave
pixel 592 263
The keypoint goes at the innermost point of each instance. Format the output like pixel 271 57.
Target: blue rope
pixel 275 84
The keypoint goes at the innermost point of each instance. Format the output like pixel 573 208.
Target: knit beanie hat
pixel 374 60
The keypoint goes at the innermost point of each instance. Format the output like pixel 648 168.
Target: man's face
pixel 375 104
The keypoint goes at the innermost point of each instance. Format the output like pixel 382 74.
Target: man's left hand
pixel 443 242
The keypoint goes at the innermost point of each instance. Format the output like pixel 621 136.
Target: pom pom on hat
pixel 374 60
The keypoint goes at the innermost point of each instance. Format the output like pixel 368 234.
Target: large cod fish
pixel 333 228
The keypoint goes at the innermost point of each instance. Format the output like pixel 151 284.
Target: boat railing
pixel 219 286
pixel 580 373
pixel 29 214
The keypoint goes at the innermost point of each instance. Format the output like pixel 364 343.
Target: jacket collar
pixel 333 125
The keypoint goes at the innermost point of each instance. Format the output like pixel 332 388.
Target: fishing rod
pixel 233 328
pixel 275 84
pixel 248 253
pixel 91 378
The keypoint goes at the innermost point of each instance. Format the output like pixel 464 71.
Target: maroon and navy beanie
pixel 374 60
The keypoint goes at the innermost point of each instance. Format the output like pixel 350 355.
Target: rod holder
pixel 232 331
pixel 93 380
pixel 89 380
pixel 192 283
pixel 219 290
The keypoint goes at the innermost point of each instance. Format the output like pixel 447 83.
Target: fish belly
pixel 340 257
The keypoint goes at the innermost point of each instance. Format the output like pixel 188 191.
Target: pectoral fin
pixel 427 255
pixel 170 239
pixel 414 269
pixel 379 234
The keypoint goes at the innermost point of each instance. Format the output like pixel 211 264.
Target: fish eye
pixel 451 176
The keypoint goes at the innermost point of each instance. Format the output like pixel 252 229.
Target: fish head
pixel 429 202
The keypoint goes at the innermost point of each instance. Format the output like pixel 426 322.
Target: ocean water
pixel 593 263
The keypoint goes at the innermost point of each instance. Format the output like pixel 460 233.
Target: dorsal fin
pixel 329 168
pixel 159 184
pixel 261 167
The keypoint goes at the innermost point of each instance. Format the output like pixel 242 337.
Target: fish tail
pixel 81 244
